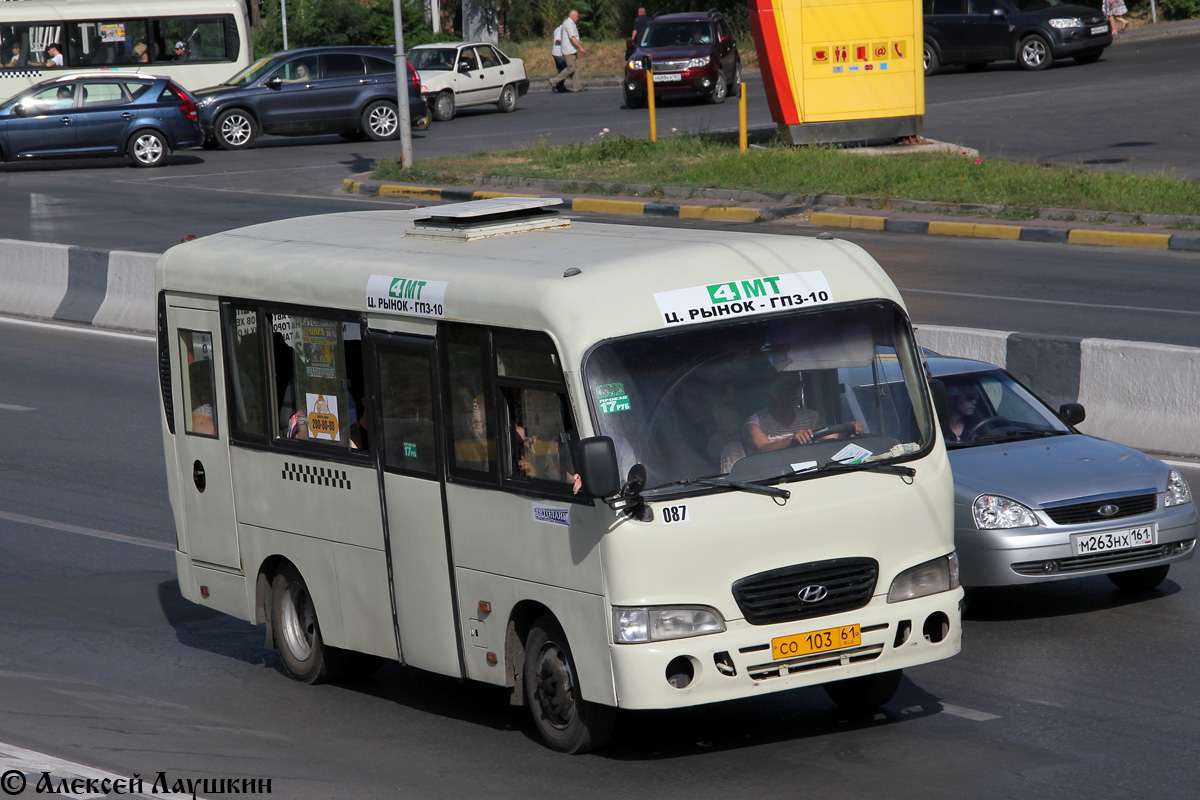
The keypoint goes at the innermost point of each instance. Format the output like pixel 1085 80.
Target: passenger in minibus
pixel 785 421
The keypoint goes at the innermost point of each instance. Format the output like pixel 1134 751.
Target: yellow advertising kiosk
pixel 841 70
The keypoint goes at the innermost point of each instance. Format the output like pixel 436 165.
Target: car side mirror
pixel 464 67
pixel 20 110
pixel 599 474
pixel 726 41
pixel 999 13
pixel 1072 413
pixel 274 83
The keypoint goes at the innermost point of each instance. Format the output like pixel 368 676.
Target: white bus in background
pixel 132 35
pixel 489 442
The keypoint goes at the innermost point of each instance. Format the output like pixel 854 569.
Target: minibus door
pixel 417 537
pixel 202 438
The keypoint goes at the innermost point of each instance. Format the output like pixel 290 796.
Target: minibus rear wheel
pixel 566 721
pixel 297 631
pixel 864 692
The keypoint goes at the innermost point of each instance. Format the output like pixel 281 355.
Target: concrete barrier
pixel 1141 394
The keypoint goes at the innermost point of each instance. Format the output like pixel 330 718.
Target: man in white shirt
pixel 571 48
pixel 54 53
pixel 556 53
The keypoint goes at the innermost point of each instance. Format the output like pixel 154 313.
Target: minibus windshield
pixel 778 398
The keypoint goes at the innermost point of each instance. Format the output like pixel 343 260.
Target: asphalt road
pixel 1067 690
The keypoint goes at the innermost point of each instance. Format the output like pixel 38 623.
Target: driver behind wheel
pixel 963 402
pixel 785 421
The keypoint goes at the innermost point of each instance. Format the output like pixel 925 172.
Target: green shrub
pixel 1178 9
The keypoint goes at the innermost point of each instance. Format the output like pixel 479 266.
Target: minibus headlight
pixel 938 575
pixel 632 625
pixel 994 512
pixel 1178 492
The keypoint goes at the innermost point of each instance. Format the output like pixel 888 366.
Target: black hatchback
pixel 1033 32
pixel 346 90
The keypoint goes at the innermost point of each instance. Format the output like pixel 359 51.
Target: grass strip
pixel 700 162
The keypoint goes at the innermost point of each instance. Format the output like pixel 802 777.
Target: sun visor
pixel 825 345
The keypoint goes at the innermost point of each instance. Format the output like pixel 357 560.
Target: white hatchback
pixel 457 75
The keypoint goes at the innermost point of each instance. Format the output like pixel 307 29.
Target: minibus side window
pixel 244 360
pixel 196 362
pixel 472 434
pixel 406 399
pixel 535 415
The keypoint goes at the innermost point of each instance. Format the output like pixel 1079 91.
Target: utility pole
pixel 406 158
pixel 283 8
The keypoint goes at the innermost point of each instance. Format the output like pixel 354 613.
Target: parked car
pixel 99 114
pixel 1034 32
pixel 346 90
pixel 1036 500
pixel 691 54
pixel 457 75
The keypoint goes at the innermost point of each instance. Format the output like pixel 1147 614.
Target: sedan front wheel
pixel 235 129
pixel 1035 54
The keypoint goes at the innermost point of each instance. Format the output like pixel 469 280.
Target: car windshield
pixel 720 400
pixel 256 70
pixel 432 58
pixel 1038 5
pixel 988 407
pixel 668 34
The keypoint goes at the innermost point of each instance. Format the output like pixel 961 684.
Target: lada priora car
pixel 690 54
pixel 456 75
pixel 99 114
pixel 1036 500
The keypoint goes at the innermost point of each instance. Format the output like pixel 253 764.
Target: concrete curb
pixel 814 206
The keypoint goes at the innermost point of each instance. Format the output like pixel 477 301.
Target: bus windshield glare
pixel 769 400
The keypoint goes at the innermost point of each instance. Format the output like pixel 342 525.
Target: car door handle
pixel 127 115
pixel 311 85
pixel 67 120
pixel 368 80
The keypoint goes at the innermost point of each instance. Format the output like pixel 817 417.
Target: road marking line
pixel 7 407
pixel 1050 302
pixel 31 764
pixel 76 329
pixel 62 526
pixel 968 713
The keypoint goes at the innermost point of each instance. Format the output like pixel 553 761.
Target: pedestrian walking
pixel 1115 11
pixel 560 63
pixel 639 27
pixel 571 49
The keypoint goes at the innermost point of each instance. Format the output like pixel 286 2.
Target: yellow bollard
pixel 742 146
pixel 650 99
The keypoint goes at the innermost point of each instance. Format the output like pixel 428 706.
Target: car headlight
pixel 1178 492
pixel 1066 22
pixel 938 575
pixel 995 512
pixel 634 65
pixel 632 625
pixel 698 62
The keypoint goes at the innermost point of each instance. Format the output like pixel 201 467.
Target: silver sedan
pixel 1035 500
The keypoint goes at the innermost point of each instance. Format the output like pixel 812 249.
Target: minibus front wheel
pixel 565 721
pixel 297 632
pixel 864 692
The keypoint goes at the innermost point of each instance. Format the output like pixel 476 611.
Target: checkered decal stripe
pixel 318 476
pixel 22 73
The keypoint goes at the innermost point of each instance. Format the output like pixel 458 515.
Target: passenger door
pixel 491 74
pixel 103 116
pixel 288 106
pixel 202 437
pixel 987 32
pixel 50 123
pixel 468 83
pixel 418 540
pixel 344 88
pixel 946 24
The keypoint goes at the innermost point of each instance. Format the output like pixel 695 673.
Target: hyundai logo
pixel 1108 510
pixel 812 594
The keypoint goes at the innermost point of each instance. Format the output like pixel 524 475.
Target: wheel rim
pixel 444 105
pixel 719 90
pixel 1034 53
pixel 148 149
pixel 235 129
pixel 737 74
pixel 509 100
pixel 383 121
pixel 554 686
pixel 927 57
pixel 299 622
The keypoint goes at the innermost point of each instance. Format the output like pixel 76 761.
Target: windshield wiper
pixel 717 482
pixel 1023 433
pixel 835 467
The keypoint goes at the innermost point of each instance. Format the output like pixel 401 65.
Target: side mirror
pixel 599 474
pixel 274 83
pixel 20 110
pixel 464 67
pixel 1072 413
pixel 999 13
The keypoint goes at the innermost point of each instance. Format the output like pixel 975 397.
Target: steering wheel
pixel 983 423
pixel 832 430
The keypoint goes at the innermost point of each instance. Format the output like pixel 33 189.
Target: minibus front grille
pixel 803 591
pixel 838 658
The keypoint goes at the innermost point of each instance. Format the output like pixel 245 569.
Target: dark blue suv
pixel 345 90
pixel 99 114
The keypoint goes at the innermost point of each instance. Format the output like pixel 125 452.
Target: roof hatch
pixel 480 219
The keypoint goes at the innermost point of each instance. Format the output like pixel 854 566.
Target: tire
pixel 566 722
pixel 1088 56
pixel 380 121
pixel 148 148
pixel 736 89
pixel 720 91
pixel 1140 580
pixel 443 107
pixel 235 129
pixel 931 60
pixel 422 123
pixel 865 692
pixel 508 99
pixel 634 102
pixel 297 632
pixel 1034 53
